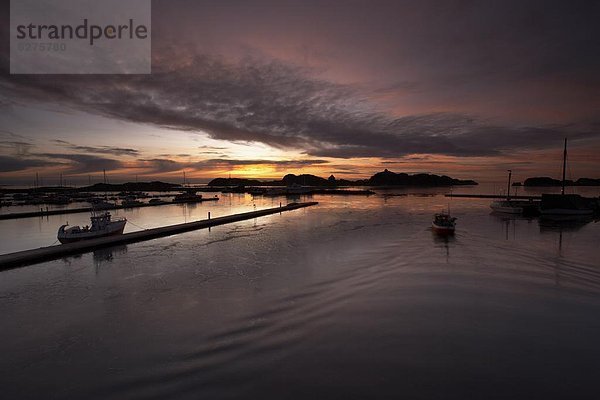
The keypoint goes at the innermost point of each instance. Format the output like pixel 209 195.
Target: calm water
pixel 353 298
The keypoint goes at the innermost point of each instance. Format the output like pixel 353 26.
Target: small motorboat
pixel 443 224
pixel 102 225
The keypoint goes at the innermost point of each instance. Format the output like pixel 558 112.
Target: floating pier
pixel 493 196
pixel 28 257
pixel 43 213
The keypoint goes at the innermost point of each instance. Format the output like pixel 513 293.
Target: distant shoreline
pixel 382 180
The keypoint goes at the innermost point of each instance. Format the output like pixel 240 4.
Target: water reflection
pixel 107 255
pixel 444 242
pixel 564 223
pixel 510 223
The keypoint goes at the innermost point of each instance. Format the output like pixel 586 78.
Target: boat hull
pixel 442 230
pixel 566 204
pixel 566 211
pixel 516 207
pixel 507 210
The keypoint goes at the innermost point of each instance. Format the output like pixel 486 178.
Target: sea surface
pixel 352 298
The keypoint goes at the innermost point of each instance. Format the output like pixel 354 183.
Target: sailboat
pixel 188 194
pixel 566 204
pixel 509 206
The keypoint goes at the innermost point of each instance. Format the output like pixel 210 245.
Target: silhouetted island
pixel 546 181
pixel 388 178
pixel 384 178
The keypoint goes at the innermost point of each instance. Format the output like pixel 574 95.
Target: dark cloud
pixel 10 134
pixel 83 163
pixel 280 105
pixel 14 144
pixel 15 164
pixel 116 151
pixel 18 148
pixel 160 165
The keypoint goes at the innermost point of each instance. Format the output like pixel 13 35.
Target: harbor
pixel 27 257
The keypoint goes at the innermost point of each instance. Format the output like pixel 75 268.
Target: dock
pixel 43 213
pixel 493 196
pixel 34 256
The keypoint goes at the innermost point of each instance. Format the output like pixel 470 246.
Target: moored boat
pixel 507 207
pixel 516 207
pixel 131 201
pixel 567 204
pixel 188 196
pixel 102 225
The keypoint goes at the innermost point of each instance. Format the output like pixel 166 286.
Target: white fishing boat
pixel 102 225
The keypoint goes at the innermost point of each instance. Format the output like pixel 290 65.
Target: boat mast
pixel 508 188
pixel 562 190
pixel 105 187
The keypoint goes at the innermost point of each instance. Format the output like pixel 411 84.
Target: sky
pixel 264 88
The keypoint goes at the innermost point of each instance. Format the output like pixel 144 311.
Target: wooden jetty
pixel 43 213
pixel 28 257
pixel 493 196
